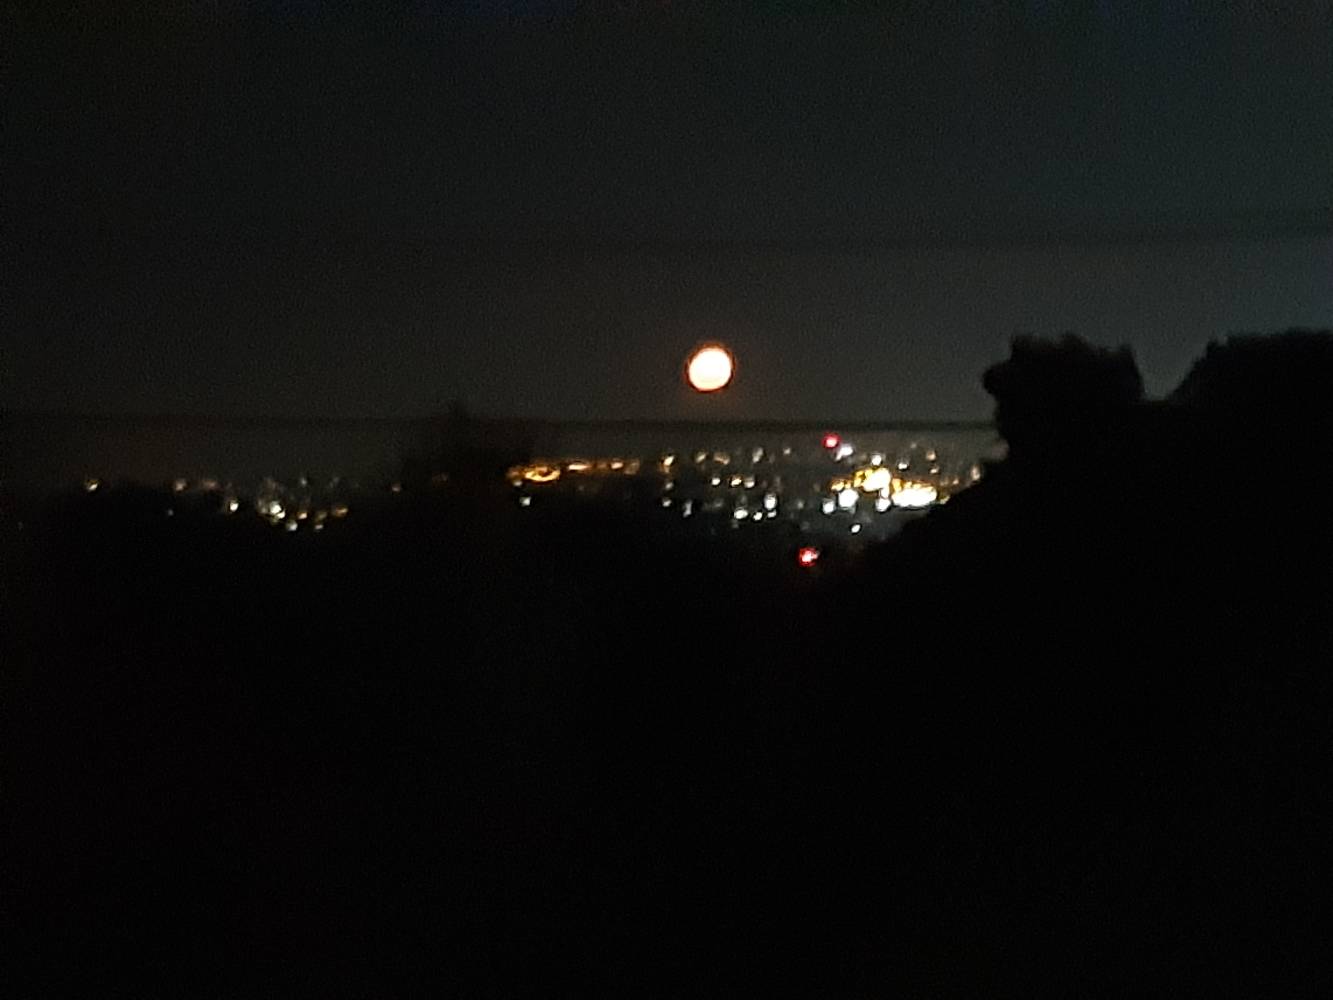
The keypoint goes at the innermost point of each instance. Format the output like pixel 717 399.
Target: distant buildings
pixel 861 481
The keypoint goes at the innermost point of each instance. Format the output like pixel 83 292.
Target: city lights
pixel 872 480
pixel 911 494
pixel 750 482
pixel 541 473
pixel 807 556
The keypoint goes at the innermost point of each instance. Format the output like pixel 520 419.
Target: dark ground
pixel 1069 735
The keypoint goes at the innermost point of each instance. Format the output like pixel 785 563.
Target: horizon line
pixel 584 423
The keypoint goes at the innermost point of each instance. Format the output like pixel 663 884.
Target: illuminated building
pixel 872 479
pixel 912 494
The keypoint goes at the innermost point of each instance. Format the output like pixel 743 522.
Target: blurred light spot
pixel 808 555
pixel 831 441
pixel 539 474
pixel 847 499
pixel 907 493
pixel 91 484
pixel 710 368
pixel 872 479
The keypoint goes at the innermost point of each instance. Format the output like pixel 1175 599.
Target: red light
pixel 831 441
pixel 808 555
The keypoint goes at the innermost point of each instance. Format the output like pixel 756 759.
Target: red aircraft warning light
pixel 831 441
pixel 807 556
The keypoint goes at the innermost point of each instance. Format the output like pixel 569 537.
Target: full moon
pixel 709 368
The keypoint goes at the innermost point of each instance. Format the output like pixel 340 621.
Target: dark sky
pixel 539 207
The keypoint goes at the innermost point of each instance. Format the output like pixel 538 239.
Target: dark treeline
pixel 1068 734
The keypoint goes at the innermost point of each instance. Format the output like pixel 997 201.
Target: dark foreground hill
pixel 1069 735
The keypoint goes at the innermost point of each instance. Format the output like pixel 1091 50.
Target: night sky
pixel 539 208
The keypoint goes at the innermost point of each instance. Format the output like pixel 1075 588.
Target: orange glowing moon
pixel 710 368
